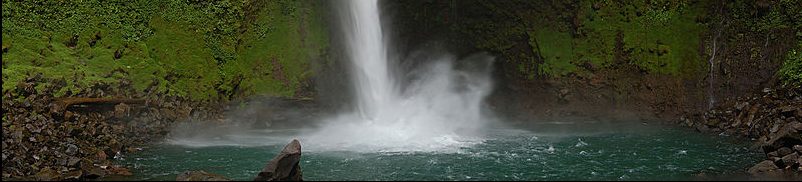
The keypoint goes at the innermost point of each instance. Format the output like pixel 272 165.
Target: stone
pixel 200 176
pixel 120 171
pixel 775 128
pixel 772 154
pixel 71 149
pixel 94 173
pixel 798 148
pixel 285 166
pixel 73 161
pixel 790 159
pixel 796 125
pixel 786 136
pixel 121 110
pixel 740 106
pixel 702 128
pixel 784 151
pixel 101 156
pixel 47 174
pixel 762 167
pixel 778 161
pixel 73 175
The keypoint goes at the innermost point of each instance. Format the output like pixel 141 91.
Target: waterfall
pixel 439 109
pixel 368 54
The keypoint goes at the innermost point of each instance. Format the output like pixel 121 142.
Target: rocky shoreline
pixel 771 118
pixel 45 139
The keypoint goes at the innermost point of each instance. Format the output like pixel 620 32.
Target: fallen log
pixel 60 105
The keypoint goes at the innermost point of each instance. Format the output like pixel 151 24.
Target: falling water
pixel 439 109
pixel 369 57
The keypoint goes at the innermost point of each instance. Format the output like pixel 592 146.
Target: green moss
pixel 557 50
pixel 272 59
pixel 188 49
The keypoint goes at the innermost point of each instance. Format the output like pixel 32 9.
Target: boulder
pixel 784 151
pixel 94 173
pixel 790 159
pixel 772 154
pixel 762 167
pixel 285 166
pixel 785 137
pixel 200 176
pixel 73 175
pixel 47 174
pixel 798 148
pixel 796 125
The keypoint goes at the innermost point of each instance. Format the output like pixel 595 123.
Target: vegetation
pixel 791 71
pixel 202 50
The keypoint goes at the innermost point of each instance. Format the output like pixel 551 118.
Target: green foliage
pixel 660 37
pixel 557 51
pixel 791 70
pixel 175 47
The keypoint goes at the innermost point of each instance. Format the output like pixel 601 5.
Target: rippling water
pixel 548 151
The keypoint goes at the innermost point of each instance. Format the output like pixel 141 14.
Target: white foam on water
pixel 438 111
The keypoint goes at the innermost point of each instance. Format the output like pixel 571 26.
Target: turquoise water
pixel 547 151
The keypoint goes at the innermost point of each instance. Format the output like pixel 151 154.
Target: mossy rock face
pixel 203 51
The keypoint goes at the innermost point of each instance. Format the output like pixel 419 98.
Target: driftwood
pixel 60 105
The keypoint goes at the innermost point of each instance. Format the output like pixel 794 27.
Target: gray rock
pixel 765 166
pixel 285 166
pixel 71 149
pixel 798 148
pixel 784 151
pixel 200 176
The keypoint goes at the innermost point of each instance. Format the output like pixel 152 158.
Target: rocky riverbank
pixel 771 118
pixel 79 138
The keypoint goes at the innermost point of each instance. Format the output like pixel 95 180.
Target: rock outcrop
pixel 773 119
pixel 285 166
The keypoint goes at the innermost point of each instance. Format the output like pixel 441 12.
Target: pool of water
pixel 544 151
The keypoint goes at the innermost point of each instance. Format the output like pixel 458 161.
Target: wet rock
pixel 784 151
pixel 762 167
pixel 798 148
pixel 285 166
pixel 73 175
pixel 94 173
pixel 790 159
pixel 120 171
pixel 200 176
pixel 702 128
pixel 47 174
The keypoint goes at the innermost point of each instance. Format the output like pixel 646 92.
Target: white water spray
pixel 438 111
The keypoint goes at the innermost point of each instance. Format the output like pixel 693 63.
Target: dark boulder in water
pixel 200 176
pixel 285 166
